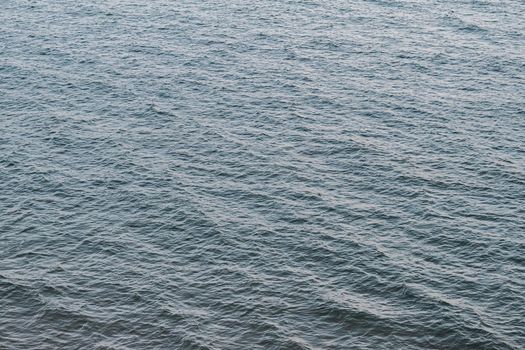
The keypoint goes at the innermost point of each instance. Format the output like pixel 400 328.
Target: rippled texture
pixel 262 174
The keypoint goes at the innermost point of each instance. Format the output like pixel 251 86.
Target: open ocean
pixel 259 175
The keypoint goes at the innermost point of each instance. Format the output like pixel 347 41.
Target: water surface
pixel 262 174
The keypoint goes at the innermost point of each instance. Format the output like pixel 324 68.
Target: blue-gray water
pixel 262 174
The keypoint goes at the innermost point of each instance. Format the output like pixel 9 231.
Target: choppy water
pixel 262 174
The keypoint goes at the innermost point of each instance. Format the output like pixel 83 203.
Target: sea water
pixel 262 174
